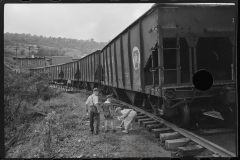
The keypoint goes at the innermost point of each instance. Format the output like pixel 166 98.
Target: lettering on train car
pixel 136 57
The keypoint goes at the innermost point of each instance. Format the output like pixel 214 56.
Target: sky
pixel 102 22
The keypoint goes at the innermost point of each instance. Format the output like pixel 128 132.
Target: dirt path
pixel 75 140
pixel 137 143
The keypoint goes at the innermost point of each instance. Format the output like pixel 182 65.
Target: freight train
pixel 151 63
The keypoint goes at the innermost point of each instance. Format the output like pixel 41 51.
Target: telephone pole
pixel 29 48
pixel 16 48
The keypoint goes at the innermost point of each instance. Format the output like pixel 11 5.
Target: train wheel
pixel 182 115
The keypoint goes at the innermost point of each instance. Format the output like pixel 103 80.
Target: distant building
pixel 48 61
pixel 30 62
pixel 33 62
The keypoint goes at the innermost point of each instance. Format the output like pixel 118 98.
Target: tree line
pixel 51 45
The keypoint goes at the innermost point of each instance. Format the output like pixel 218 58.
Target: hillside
pixel 49 46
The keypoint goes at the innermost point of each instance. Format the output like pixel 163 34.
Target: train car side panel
pixel 120 62
pixel 62 72
pixel 97 68
pixel 109 66
pixel 93 66
pixel 113 62
pixel 149 40
pixel 135 57
pixel 74 69
pixel 127 80
pixel 58 72
pixel 88 69
pixel 70 70
pixel 80 70
pixel 105 66
pixel 83 69
pixel 65 71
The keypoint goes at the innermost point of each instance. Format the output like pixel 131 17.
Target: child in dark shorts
pixel 107 112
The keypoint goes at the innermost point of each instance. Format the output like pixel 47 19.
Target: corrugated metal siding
pixel 105 67
pixel 135 57
pixel 126 61
pixel 113 63
pixel 60 60
pixel 109 66
pixel 119 63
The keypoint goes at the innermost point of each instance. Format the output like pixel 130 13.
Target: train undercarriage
pixel 180 106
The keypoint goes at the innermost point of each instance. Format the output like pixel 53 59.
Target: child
pixel 127 116
pixel 107 111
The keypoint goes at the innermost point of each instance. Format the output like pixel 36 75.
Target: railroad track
pixel 183 143
pixel 173 137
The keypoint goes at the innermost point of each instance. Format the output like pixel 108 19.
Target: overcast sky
pixel 101 22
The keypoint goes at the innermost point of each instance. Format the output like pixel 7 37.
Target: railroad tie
pixel 168 136
pixel 140 117
pixel 140 121
pixel 175 143
pixel 190 151
pixel 144 124
pixel 153 126
pixel 156 132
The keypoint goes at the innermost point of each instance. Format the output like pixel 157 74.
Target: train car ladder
pixel 162 49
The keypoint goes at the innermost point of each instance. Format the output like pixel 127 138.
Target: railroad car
pixel 151 63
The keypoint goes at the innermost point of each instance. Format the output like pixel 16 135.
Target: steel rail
pixel 199 140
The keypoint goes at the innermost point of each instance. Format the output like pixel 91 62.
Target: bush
pixel 21 92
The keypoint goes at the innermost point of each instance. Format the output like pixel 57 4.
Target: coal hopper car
pixel 152 62
pixel 165 60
